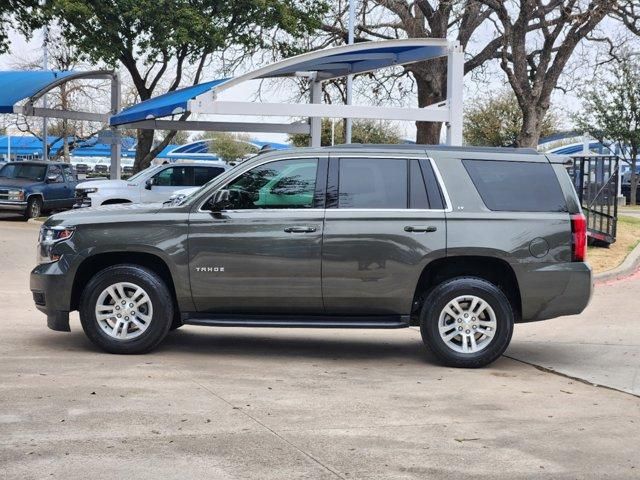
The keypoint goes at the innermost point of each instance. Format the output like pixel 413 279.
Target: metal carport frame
pixel 319 66
pixel 16 86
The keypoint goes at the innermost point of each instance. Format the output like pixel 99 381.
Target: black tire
pixel 440 297
pixel 159 295
pixel 34 208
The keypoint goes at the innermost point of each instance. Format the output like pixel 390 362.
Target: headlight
pixel 87 190
pixel 49 237
pixel 16 195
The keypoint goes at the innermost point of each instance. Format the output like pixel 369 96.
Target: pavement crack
pixel 271 430
pixel 570 377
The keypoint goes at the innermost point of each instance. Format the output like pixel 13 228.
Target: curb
pixel 626 268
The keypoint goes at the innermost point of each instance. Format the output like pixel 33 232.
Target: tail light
pixel 578 237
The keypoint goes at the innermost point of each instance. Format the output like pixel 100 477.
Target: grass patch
pixel 628 237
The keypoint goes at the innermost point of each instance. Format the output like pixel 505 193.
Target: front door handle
pixel 300 229
pixel 420 228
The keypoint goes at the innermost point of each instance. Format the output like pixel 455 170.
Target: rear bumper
pixel 555 291
pixel 52 294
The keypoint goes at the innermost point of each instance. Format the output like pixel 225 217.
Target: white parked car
pixel 155 184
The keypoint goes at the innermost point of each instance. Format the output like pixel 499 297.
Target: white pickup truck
pixel 154 184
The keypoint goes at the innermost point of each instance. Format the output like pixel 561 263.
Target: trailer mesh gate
pixel 596 180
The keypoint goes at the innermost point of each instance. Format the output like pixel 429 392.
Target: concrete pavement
pixel 262 403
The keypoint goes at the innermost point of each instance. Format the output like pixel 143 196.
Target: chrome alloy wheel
pixel 124 311
pixel 467 324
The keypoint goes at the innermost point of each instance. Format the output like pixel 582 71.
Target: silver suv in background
pixel 154 184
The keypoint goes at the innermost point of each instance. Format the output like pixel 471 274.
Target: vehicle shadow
pixel 265 343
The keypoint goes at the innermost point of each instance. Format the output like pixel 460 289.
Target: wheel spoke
pixel 488 333
pixel 138 324
pixel 474 345
pixel 113 294
pixel 450 336
pixel 143 300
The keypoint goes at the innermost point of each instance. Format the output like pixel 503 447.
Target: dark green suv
pixel 463 242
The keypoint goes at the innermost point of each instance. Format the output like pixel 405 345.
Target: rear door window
pixel 370 183
pixel 202 175
pixel 516 186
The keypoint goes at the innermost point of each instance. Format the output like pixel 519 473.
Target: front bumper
pixel 13 206
pixel 51 290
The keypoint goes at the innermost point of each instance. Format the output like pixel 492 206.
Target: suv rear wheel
pixel 126 309
pixel 466 322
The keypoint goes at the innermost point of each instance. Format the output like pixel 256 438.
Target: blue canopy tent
pixel 317 66
pixel 20 92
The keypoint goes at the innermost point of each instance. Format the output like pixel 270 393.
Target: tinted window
pixel 69 173
pixel 280 184
pixel 55 171
pixel 517 186
pixel 372 183
pixel 28 171
pixel 173 177
pixel 418 197
pixel 202 175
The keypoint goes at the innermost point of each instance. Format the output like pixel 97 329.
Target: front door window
pixel 279 184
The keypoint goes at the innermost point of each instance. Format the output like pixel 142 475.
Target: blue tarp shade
pixel 17 86
pixel 171 103
pixel 328 66
pixel 341 64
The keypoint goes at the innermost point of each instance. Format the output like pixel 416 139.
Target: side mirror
pixel 220 200
pixel 148 184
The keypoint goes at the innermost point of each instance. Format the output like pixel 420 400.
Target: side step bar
pixel 295 321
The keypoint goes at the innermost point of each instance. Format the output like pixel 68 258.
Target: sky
pixel 565 102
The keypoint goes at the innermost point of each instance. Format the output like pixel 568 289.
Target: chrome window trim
pixel 436 171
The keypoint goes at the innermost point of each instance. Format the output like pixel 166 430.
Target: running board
pixel 295 321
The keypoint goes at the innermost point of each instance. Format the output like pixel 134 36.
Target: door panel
pixel 374 246
pixel 371 265
pixel 56 192
pixel 245 262
pixel 262 255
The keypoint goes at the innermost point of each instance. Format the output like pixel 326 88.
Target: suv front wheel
pixel 126 309
pixel 466 322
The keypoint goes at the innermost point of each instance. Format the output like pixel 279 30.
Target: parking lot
pixel 263 403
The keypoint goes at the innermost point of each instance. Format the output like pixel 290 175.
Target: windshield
pixel 30 172
pixel 142 173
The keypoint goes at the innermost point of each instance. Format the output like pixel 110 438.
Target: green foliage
pixel 151 31
pixel 230 147
pixel 363 131
pixel 611 112
pixel 497 121
pixel 21 15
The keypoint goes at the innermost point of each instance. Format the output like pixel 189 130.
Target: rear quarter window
pixel 516 186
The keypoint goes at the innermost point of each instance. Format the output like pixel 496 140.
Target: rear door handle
pixel 300 229
pixel 420 228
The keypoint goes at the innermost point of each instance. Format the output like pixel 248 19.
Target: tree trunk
pixel 145 144
pixel 531 125
pixel 431 84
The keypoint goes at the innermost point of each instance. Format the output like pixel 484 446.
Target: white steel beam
pixel 253 127
pixel 432 113
pixel 66 114
pixel 315 122
pixel 455 79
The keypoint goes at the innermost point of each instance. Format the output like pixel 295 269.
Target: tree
pixel 157 41
pixel 229 147
pixel 363 131
pixel 611 113
pixel 389 19
pixel 85 95
pixel 496 121
pixel 537 40
pixel 23 15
